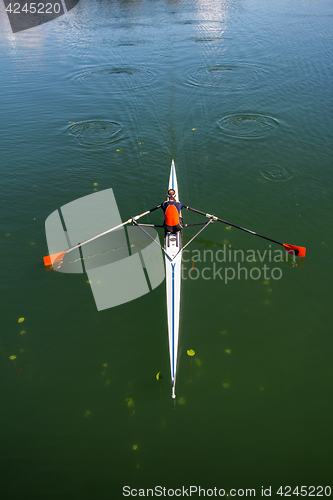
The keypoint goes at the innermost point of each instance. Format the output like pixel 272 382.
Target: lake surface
pixel 239 94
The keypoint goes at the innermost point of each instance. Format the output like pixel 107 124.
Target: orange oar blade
pixel 52 259
pixel 295 250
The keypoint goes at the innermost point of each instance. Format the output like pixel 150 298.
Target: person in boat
pixel 173 221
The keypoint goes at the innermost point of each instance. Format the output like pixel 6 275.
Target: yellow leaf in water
pixel 23 332
pixel 266 282
pixel 105 365
pixel 95 183
pixel 12 357
pixel 226 385
pixel 130 402
pixel 228 227
pixel 228 351
pixel 134 447
pixel 158 376
pixel 190 352
pixel 20 320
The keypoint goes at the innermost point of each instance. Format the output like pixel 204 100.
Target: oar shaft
pixel 112 229
pixel 233 225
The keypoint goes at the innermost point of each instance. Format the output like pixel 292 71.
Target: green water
pixel 239 93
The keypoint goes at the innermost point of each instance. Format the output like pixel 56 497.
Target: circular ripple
pixel 95 133
pixel 276 173
pixel 232 76
pixel 247 126
pixel 116 78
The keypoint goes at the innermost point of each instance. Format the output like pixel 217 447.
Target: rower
pixel 173 221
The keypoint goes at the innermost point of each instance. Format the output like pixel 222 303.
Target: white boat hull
pixel 172 245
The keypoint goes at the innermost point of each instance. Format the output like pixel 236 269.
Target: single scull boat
pixel 173 248
pixel 173 271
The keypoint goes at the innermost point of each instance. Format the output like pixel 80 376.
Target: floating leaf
pixel 130 402
pixel 266 282
pixel 190 352
pixel 226 385
pixel 20 320
pixel 23 332
pixel 12 357
pixel 134 447
pixel 105 365
pixel 95 183
pixel 158 376
pixel 228 351
pixel 228 227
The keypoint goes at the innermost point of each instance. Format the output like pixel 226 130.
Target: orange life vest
pixel 171 216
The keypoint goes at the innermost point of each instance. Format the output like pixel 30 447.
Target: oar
pixel 293 249
pixel 57 257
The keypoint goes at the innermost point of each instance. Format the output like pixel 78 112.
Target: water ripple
pixel 231 76
pixel 116 78
pixel 95 132
pixel 276 173
pixel 247 126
